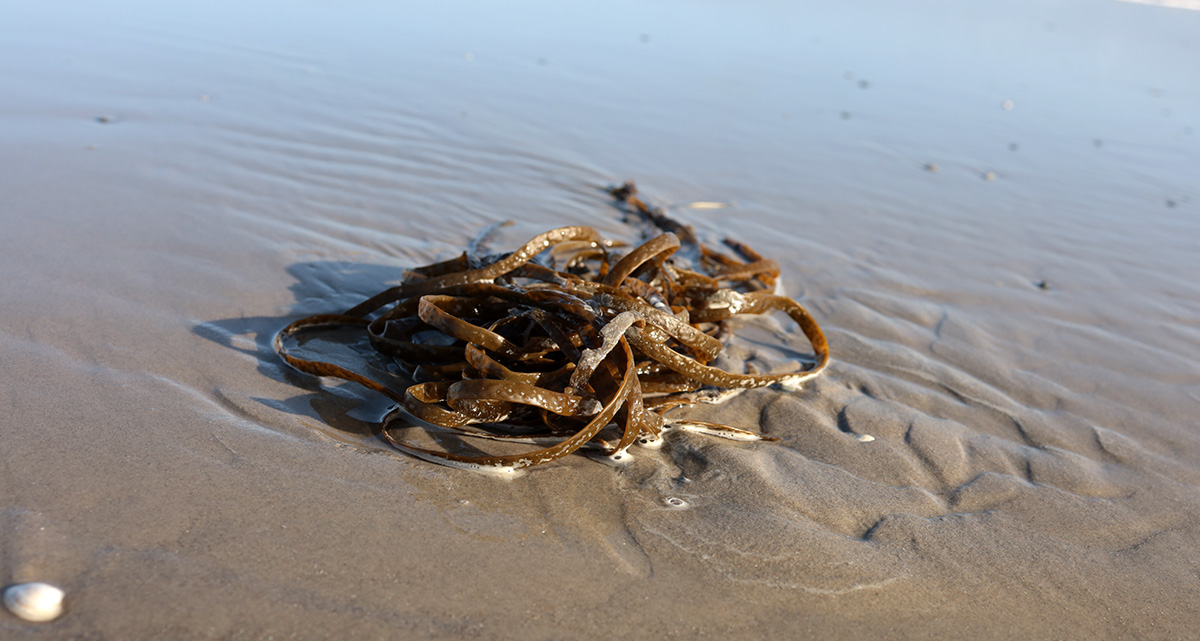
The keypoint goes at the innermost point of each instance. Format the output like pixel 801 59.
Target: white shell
pixel 34 601
pixel 864 438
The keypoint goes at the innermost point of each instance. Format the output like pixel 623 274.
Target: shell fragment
pixel 35 602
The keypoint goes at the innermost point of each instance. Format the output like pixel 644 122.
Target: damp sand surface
pixel 991 209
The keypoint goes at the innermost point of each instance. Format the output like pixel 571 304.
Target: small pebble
pixel 863 84
pixel 845 115
pixel 37 602
pixel 864 438
pixel 105 119
pixel 930 167
pixel 989 175
pixel 1008 105
pixel 1043 285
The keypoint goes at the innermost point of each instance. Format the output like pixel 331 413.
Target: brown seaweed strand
pixel 513 462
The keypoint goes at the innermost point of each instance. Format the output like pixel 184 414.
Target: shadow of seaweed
pixel 320 287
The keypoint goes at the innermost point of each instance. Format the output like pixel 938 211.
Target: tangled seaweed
pixel 564 337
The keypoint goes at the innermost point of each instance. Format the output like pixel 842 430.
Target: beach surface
pixel 992 209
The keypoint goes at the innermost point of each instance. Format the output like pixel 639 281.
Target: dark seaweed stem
pixel 627 194
pixel 507 349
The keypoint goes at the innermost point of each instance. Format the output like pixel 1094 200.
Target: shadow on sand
pixel 320 287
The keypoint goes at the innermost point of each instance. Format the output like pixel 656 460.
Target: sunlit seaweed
pixel 564 337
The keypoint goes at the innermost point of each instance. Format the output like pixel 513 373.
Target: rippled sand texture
pixel 992 211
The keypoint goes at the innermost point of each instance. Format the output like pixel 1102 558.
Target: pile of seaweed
pixel 568 339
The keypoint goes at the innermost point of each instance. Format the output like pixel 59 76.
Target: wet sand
pixel 991 210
